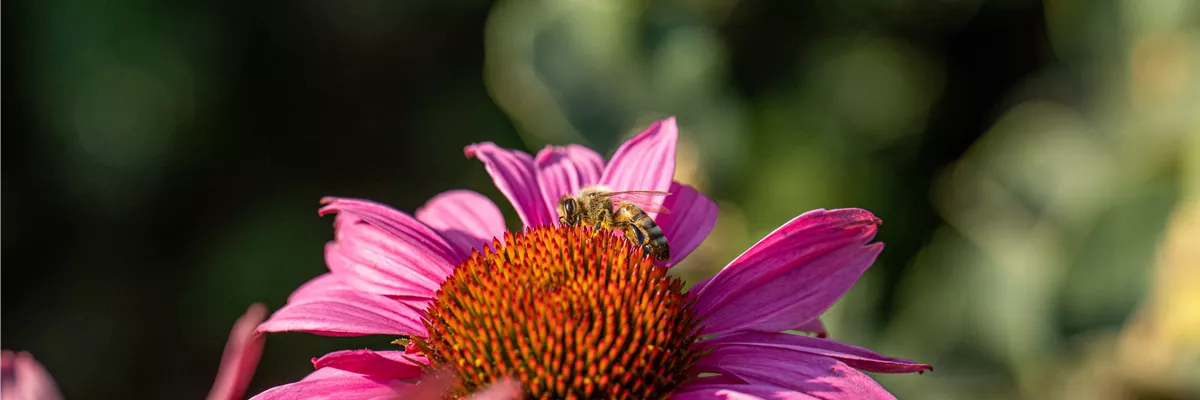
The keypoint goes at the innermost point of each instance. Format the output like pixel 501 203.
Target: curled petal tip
pixel 471 149
pixel 327 205
pixel 854 217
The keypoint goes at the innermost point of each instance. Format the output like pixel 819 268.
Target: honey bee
pixel 603 208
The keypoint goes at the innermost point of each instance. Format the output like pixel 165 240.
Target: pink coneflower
pixel 23 378
pixel 575 313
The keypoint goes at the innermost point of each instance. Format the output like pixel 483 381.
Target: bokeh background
pixel 1037 165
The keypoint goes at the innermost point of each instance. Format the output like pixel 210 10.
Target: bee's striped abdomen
pixel 641 230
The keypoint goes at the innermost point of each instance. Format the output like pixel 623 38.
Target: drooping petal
pixel 814 326
pixel 242 352
pixel 565 170
pixel 348 313
pixel 791 276
pixel 23 378
pixel 645 162
pixel 737 392
pixel 381 250
pixel 516 176
pixel 380 364
pixel 853 356
pixel 318 286
pixel 466 219
pixel 396 223
pixel 364 262
pixel 333 384
pixel 690 219
pixel 817 376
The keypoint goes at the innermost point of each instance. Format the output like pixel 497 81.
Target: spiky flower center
pixel 571 312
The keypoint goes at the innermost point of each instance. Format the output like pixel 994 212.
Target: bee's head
pixel 568 207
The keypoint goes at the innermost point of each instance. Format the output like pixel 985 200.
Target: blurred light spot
pixel 689 168
pixel 729 238
pixel 882 87
pixel 687 60
pixel 1161 346
pixel 1143 17
pixel 124 117
pixel 1160 67
pixel 1050 156
pixel 509 73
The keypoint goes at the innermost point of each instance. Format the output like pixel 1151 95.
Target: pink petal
pixel 336 385
pixel 364 262
pixel 645 162
pixel 381 250
pixel 348 313
pixel 690 220
pixel 396 223
pixel 818 376
pixel 792 275
pixel 853 356
pixel 379 364
pixel 565 170
pixel 318 286
pixel 737 392
pixel 466 219
pixel 242 352
pixel 503 389
pixel 516 176
pixel 814 326
pixel 436 385
pixel 23 378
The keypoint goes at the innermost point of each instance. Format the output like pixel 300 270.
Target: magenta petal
pixel 380 364
pixel 336 385
pixel 367 264
pixel 23 378
pixel 394 222
pixel 814 326
pixel 645 162
pixel 818 376
pixel 242 352
pixel 316 287
pixel 385 251
pixel 853 356
pixel 348 313
pixel 792 275
pixel 737 392
pixel 565 170
pixel 466 219
pixel 516 176
pixel 503 389
pixel 690 220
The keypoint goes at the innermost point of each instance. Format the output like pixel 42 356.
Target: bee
pixel 601 207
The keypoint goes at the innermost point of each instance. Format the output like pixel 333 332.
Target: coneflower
pixel 570 312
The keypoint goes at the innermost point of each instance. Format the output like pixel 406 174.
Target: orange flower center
pixel 571 312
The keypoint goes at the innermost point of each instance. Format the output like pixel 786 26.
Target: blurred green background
pixel 1037 165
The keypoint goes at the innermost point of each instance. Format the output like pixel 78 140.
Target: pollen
pixel 571 312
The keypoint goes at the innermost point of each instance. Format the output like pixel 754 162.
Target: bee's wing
pixel 647 200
